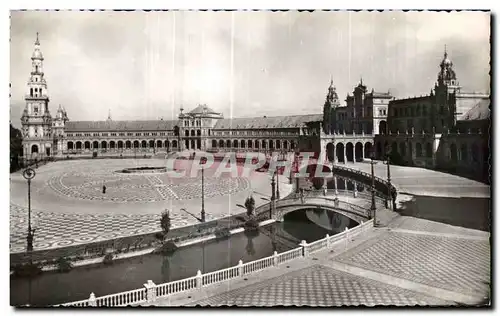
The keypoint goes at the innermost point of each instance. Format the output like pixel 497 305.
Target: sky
pixel 147 65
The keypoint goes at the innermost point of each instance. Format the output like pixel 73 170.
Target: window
pixel 162 134
pixel 121 134
pixel 113 134
pixel 104 134
pixel 137 134
pixel 130 134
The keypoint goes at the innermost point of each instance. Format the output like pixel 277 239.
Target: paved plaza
pixel 69 207
pixel 407 262
pixel 421 181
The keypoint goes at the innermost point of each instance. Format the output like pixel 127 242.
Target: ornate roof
pixel 480 111
pixel 110 125
pixel 268 122
pixel 202 109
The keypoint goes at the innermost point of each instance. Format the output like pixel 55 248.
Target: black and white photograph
pixel 250 158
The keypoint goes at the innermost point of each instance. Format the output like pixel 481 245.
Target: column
pixel 336 185
pixel 345 185
pixel 355 191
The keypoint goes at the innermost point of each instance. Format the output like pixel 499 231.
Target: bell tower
pixel 331 104
pixel 36 120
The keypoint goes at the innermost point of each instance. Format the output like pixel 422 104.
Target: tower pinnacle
pixel 37 42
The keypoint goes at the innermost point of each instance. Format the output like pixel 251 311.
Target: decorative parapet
pixel 151 292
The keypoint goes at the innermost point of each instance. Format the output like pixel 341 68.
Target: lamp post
pixel 203 161
pixel 273 197
pixel 388 198
pixel 373 207
pixel 29 174
pixel 277 184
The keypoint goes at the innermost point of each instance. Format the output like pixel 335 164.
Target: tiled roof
pixel 480 111
pixel 202 109
pixel 268 122
pixel 110 125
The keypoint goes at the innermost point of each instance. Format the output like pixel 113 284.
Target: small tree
pixel 250 205
pixel 165 222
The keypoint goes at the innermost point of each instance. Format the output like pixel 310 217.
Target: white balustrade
pixel 200 280
pixel 258 265
pixel 289 255
pixel 317 245
pixel 220 276
pixel 122 299
pixel 175 287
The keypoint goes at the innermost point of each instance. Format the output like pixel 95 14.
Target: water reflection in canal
pixel 54 288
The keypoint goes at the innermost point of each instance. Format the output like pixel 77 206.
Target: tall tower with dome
pixel 36 120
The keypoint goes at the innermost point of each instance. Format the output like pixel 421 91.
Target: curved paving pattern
pixel 140 187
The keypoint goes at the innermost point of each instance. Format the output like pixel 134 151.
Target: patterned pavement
pixel 320 286
pixel 69 208
pixel 444 262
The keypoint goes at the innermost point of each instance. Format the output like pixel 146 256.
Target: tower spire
pixel 109 114
pixel 37 42
pixel 445 52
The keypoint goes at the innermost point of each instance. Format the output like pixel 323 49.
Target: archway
pixel 144 144
pixel 292 145
pixel 271 144
pixel 87 145
pixel 78 145
pixel 453 152
pixel 394 148
pixel 257 144
pixel 69 145
pixel 264 144
pixel 369 149
pixel 186 143
pixel 358 151
pixel 379 150
pixel 278 144
pixel 349 148
pixel 214 143
pixel 128 144
pixel 330 152
pixel 228 143
pixel 151 143
pixel 402 149
pixel 159 144
pixel 186 133
pixel 463 152
pixel 174 144
pixel 136 144
pixel 192 132
pixel 198 132
pixel 112 144
pixel 242 143
pixel 340 152
pixel 95 144
pixel 418 151
pixel 193 144
pixel 249 142
pixel 221 143
pixel 104 145
pixel 235 143
pixel 428 150
pixel 34 149
pixel 198 143
pixel 382 127
pixel 167 144
pixel 120 144
pixel 285 145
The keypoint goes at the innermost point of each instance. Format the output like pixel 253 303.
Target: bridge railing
pixel 151 291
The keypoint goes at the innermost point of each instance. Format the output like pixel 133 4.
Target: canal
pixel 52 288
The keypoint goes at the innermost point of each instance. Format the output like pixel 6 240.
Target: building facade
pixel 447 129
pixel 199 129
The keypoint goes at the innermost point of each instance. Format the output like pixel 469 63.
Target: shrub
pixel 240 218
pixel 250 205
pixel 222 233
pixel 166 248
pixel 159 235
pixel 108 259
pixel 251 224
pixel 64 264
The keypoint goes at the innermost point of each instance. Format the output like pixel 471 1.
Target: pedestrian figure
pixel 103 189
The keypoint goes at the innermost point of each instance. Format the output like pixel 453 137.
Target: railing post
pixel 240 268
pixel 303 244
pixel 275 257
pixel 92 300
pixel 150 291
pixel 199 280
pixel 327 241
